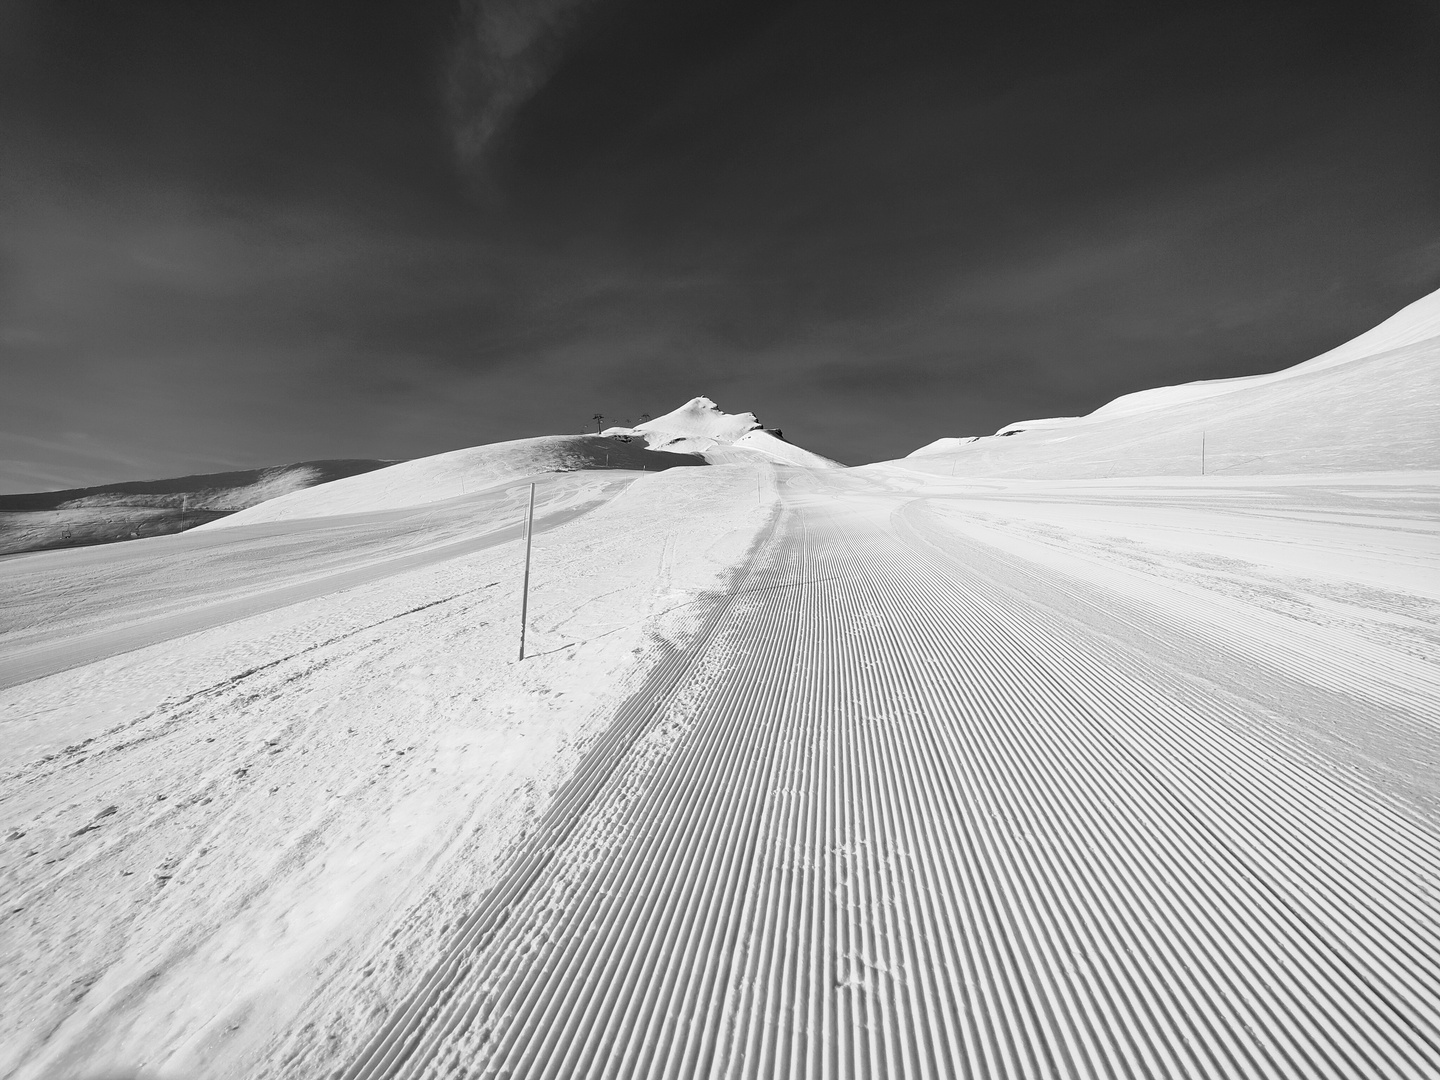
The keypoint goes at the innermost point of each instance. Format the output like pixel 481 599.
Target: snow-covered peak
pixel 700 427
pixel 694 427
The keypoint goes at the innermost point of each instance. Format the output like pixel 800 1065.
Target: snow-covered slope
pixel 1013 779
pixel 803 772
pixel 1025 425
pixel 1411 325
pixel 943 445
pixel 767 446
pixel 458 472
pixel 1370 404
pixel 697 433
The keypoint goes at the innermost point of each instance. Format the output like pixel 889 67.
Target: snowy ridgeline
pixel 1370 404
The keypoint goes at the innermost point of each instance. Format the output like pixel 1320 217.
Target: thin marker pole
pixel 1202 453
pixel 525 586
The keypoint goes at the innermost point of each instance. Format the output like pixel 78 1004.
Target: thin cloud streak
pixel 505 52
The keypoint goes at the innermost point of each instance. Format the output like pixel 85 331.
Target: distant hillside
pixel 208 491
pixel 126 511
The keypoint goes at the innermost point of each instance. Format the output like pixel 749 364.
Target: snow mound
pixel 456 473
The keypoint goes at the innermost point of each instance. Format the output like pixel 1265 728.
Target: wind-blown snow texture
pixel 813 772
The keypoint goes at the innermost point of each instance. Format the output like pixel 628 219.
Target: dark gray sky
pixel 244 233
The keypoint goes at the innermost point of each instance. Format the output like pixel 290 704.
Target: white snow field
pixel 811 771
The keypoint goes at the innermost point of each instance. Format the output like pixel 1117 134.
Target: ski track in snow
pixel 921 804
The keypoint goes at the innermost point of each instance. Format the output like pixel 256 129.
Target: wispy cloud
pixel 507 50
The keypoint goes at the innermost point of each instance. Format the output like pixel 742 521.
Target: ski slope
pixel 809 771
pixel 1009 779
pixel 938 808
pixel 181 587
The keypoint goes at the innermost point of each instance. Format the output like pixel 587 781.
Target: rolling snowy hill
pixel 1367 405
pixel 697 433
pixel 433 479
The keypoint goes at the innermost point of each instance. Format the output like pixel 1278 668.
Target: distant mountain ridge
pixel 130 510
pixel 200 491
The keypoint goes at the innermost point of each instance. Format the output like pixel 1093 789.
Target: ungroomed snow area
pixel 949 766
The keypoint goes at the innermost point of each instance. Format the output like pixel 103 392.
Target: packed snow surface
pixel 807 772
